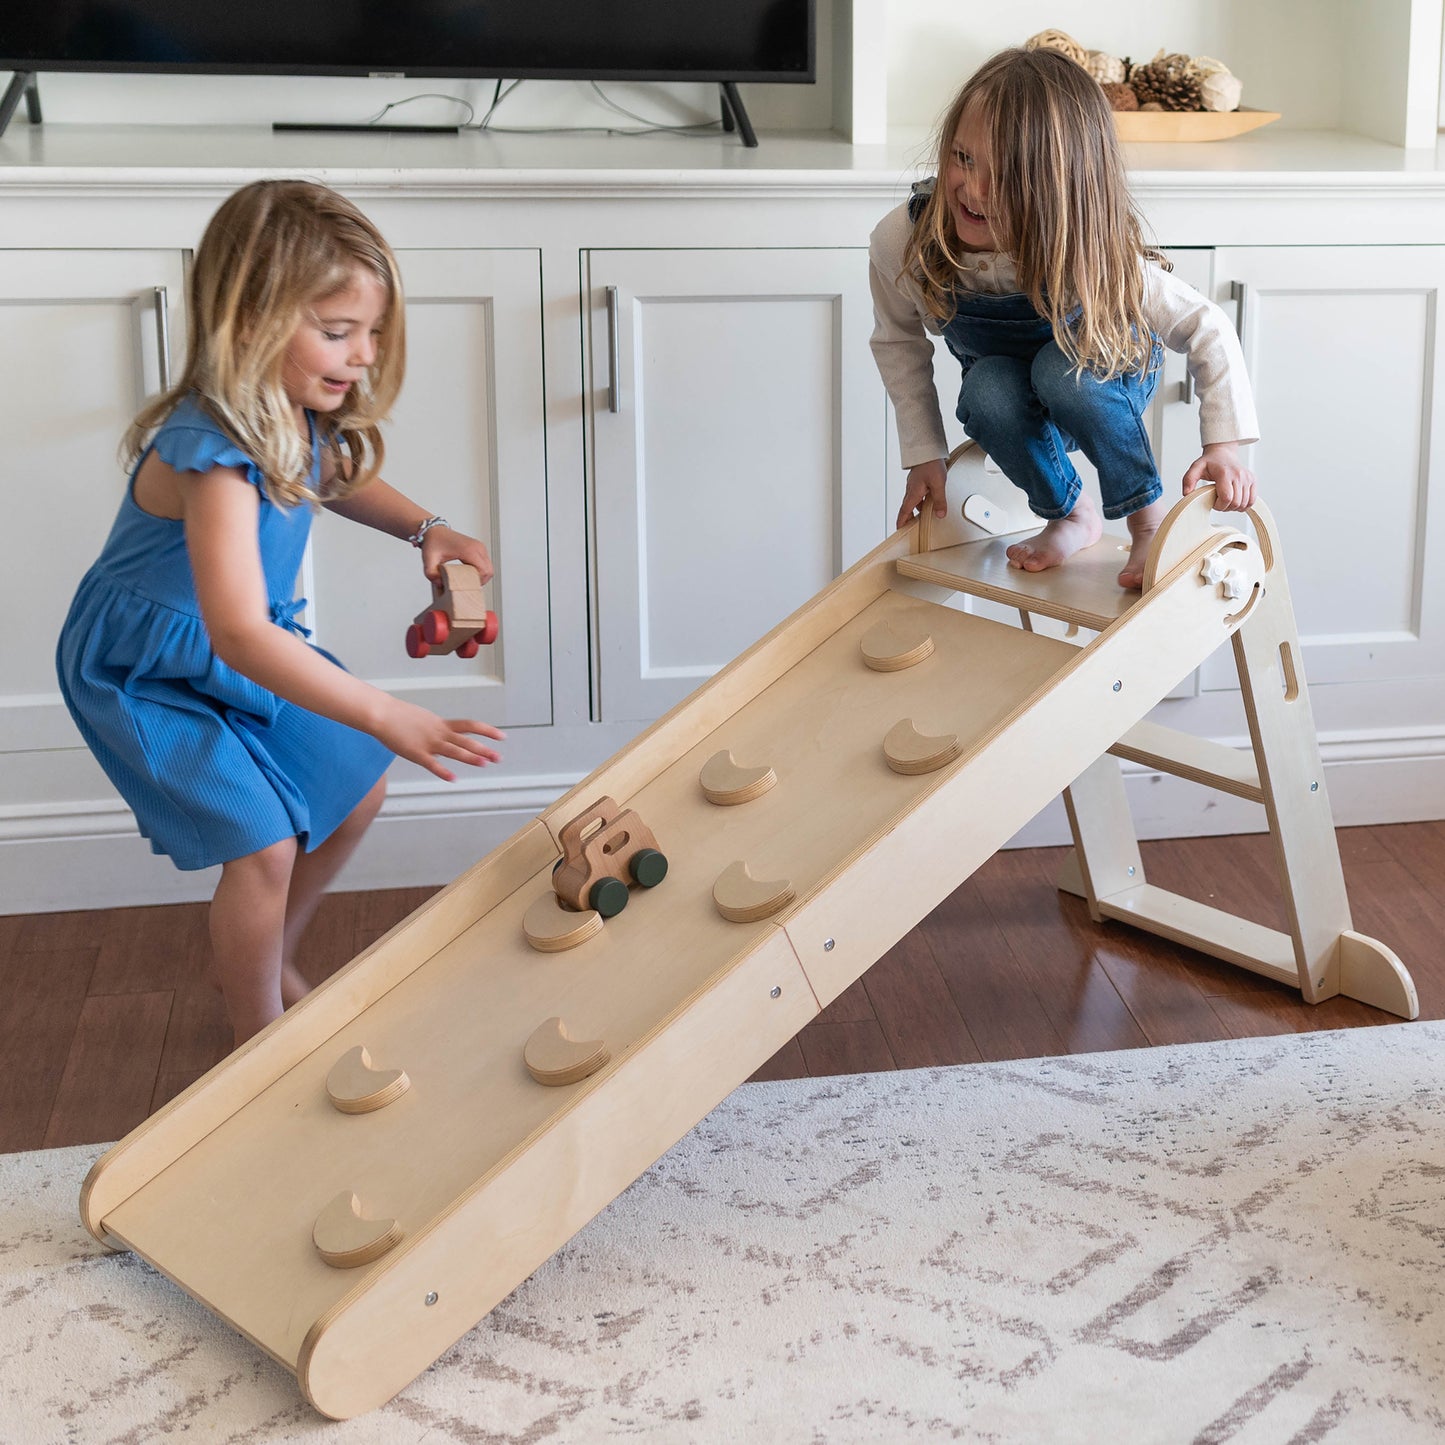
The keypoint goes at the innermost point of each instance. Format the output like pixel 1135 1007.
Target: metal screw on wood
pixel 1118 687
pixel 827 945
pixel 1314 787
pixel 432 1297
pixel 776 993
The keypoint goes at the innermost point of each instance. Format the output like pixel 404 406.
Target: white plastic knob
pixel 1214 568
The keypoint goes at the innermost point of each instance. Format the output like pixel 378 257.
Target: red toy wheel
pixel 416 644
pixel 470 647
pixel 490 628
pixel 436 627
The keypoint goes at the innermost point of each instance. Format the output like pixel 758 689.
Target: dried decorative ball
pixel 1105 68
pixel 1220 91
pixel 1171 80
pixel 1120 95
pixel 1151 105
pixel 1057 40
pixel 1208 65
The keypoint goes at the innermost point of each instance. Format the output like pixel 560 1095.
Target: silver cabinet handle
pixel 1239 294
pixel 614 355
pixel 163 336
pixel 1186 387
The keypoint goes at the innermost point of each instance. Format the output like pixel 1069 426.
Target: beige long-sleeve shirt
pixel 1182 319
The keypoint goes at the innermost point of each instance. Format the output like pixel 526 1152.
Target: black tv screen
pixel 726 40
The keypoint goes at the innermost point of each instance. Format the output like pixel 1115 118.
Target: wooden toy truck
pixel 457 620
pixel 353 1227
pixel 603 850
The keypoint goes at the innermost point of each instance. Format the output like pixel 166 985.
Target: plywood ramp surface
pixel 231 1220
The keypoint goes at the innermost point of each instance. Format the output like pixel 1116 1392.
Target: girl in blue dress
pixel 234 740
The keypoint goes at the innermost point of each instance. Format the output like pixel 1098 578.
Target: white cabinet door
pixel 82 350
pixel 466 442
pixel 1343 345
pixel 737 427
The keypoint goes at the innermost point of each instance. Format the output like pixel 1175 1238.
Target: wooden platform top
pixel 1084 591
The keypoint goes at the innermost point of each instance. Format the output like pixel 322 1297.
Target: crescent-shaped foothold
pixel 355 1087
pixel 344 1239
pixel 741 898
pixel 551 928
pixel 909 751
pixel 553 1056
pixel 726 782
pixel 896 643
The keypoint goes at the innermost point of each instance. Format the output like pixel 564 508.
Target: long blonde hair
pixel 1058 203
pixel 274 251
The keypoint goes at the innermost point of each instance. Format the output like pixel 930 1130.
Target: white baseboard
pixel 92 857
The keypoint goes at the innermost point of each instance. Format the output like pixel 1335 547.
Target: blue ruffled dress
pixel 212 764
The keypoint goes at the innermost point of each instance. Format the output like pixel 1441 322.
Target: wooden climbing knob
pixel 553 1056
pixel 909 751
pixel 896 643
pixel 741 898
pixel 726 782
pixel 355 1087
pixel 344 1239
pixel 551 928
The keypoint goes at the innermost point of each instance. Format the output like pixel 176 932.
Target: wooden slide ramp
pixel 354 1213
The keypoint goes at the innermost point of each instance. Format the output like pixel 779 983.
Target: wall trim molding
pixel 59 857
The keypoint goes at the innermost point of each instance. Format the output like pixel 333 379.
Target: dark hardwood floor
pixel 106 1015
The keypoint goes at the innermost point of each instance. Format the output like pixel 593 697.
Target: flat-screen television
pixel 709 40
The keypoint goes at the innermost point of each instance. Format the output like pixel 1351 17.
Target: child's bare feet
pixel 1060 539
pixel 1142 526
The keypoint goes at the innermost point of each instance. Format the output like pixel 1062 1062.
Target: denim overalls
pixel 1022 403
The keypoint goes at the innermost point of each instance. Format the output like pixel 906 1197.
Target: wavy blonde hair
pixel 1059 204
pixel 273 252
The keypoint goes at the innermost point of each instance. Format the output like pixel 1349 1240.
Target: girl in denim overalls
pixel 1027 257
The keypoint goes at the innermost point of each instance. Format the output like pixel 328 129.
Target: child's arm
pixel 221 514
pixel 387 510
pixel 1188 322
pixel 904 355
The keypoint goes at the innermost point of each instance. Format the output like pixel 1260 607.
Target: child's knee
pixel 995 393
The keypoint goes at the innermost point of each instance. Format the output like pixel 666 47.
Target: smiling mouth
pixel 973 216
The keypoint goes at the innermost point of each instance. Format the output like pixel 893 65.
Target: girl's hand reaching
pixel 421 737
pixel 445 544
pixel 926 482
pixel 1235 489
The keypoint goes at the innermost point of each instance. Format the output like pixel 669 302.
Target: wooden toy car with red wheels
pixel 457 620
pixel 604 850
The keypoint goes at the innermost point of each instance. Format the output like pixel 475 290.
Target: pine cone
pixel 1171 81
pixel 1120 95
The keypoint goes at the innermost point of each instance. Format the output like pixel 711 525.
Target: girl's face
pixel 335 344
pixel 968 184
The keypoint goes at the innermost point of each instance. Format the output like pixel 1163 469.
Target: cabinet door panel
pixel 81 354
pixel 466 442
pixel 1344 350
pixel 742 469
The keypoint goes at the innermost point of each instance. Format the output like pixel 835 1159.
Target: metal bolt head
pixel 775 992
pixel 1131 870
pixel 431 1297
pixel 1118 687
pixel 1314 787
pixel 827 945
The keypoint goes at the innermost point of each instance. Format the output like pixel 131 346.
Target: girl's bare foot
pixel 1060 539
pixel 1142 526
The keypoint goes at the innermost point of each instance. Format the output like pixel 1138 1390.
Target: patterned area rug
pixel 1227 1242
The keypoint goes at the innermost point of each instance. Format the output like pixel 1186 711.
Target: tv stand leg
pixel 734 114
pixel 26 83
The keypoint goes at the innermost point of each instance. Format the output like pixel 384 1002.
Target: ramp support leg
pixel 1321 954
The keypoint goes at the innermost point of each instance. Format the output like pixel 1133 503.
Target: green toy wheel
pixel 608 896
pixel 649 867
